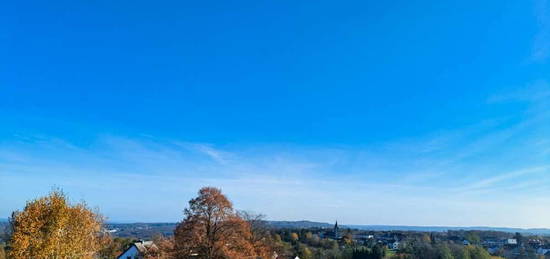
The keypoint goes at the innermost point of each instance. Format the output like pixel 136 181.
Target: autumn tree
pixel 260 236
pixel 165 248
pixel 51 227
pixel 109 248
pixel 305 252
pixel 2 252
pixel 112 247
pixel 426 238
pixel 348 239
pixel 294 237
pixel 212 229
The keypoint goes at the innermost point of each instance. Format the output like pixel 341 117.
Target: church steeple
pixel 336 234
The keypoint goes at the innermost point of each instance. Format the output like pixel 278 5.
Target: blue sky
pixel 369 112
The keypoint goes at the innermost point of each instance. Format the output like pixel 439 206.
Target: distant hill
pixel 148 230
pixel 311 224
pixel 298 224
pixel 140 230
pixel 535 231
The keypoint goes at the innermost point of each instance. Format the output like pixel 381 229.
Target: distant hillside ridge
pixel 312 224
pixel 147 230
pixel 299 224
pixel 534 231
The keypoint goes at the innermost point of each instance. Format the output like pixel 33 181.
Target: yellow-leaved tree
pixel 52 228
pixel 2 252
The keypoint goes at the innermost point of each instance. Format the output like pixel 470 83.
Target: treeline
pixel 305 245
pixel 52 227
pixel 309 245
pixel 422 250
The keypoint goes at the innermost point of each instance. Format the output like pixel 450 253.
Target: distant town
pixel 506 242
pixel 307 239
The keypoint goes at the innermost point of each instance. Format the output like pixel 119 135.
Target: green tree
pixel 378 252
pixel 329 244
pixel 277 238
pixel 473 238
pixel 426 238
pixel 444 252
pixel 477 252
pixel 464 253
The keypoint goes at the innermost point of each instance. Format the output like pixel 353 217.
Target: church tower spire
pixel 336 229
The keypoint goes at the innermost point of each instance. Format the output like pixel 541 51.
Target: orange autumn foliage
pixel 213 230
pixel 50 227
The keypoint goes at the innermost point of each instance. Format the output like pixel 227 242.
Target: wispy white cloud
pixel 473 169
pixel 216 154
pixel 489 182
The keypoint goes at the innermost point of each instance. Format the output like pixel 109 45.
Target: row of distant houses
pixel 139 249
pixel 500 242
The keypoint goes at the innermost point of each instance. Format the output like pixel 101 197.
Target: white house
pixel 394 245
pixel 511 241
pixel 138 250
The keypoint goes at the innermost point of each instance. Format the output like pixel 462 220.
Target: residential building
pixel 138 250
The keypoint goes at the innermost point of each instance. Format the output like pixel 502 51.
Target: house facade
pixel 138 250
pixel 394 245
